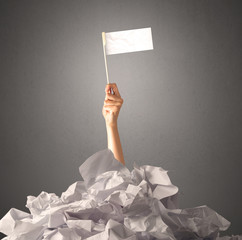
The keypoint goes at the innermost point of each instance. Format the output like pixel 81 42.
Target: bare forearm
pixel 110 111
pixel 114 143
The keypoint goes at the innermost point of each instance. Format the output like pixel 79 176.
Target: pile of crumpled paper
pixel 113 203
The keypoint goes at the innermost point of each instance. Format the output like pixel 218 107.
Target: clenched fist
pixel 112 105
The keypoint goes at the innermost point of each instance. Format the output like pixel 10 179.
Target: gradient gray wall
pixel 182 101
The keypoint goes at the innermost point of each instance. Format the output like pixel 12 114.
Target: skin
pixel 111 108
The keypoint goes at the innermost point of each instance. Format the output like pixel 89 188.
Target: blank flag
pixel 128 41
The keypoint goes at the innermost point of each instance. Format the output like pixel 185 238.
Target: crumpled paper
pixel 113 203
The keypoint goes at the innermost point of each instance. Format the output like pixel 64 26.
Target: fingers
pixel 112 103
pixel 114 87
pixel 113 100
pixel 112 97
pixel 113 109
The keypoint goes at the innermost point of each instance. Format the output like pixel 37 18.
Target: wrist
pixel 112 125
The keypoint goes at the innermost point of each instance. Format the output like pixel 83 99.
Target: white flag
pixel 128 41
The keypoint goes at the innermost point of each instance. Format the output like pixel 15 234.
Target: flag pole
pixel 104 53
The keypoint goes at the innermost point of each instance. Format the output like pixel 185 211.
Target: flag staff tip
pixel 104 53
pixel 104 38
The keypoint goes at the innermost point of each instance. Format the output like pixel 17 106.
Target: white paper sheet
pixel 113 203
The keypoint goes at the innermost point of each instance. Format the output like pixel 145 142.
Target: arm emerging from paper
pixel 111 108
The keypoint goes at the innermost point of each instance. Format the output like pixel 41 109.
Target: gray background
pixel 182 101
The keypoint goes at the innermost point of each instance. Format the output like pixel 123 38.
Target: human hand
pixel 112 105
